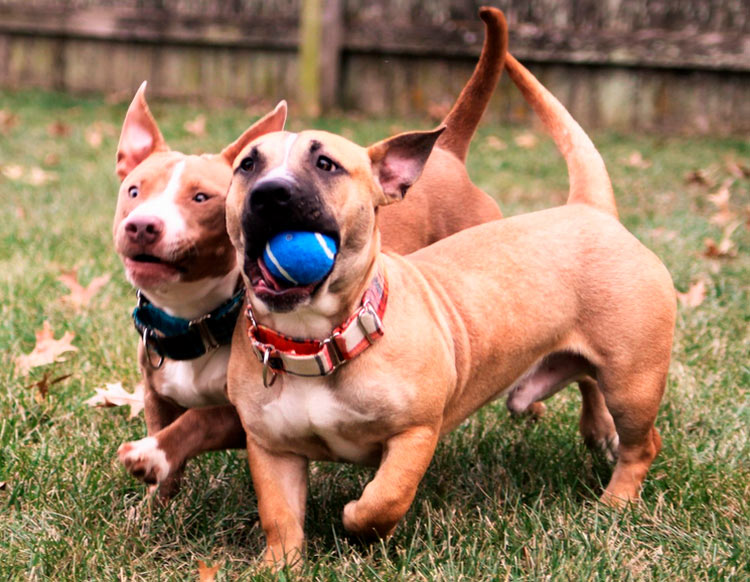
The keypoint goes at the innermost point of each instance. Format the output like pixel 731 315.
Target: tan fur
pixel 470 318
pixel 442 202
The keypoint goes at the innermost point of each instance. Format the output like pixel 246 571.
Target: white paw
pixel 145 460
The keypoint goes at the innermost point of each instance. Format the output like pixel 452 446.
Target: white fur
pixel 165 207
pixel 282 170
pixel 147 451
pixel 307 407
pixel 198 382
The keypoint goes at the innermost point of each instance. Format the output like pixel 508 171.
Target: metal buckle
pixel 147 345
pixel 208 339
pixel 333 350
pixel 368 308
pixel 266 368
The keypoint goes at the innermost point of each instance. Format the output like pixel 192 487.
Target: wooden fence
pixel 665 65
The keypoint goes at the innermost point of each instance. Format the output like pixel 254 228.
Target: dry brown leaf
pixel 116 395
pixel 206 573
pixel 80 296
pixel 701 177
pixel 495 143
pixel 51 159
pixel 59 129
pixel 725 248
pixel 694 296
pixel 636 160
pixel 737 169
pixel 197 126
pixel 47 350
pixel 720 199
pixel 39 177
pixel 42 386
pixel 8 121
pixel 13 171
pixel 20 213
pixel 663 233
pixel 526 140
pixel 97 131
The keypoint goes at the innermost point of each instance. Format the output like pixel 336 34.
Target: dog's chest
pixel 195 383
pixel 308 410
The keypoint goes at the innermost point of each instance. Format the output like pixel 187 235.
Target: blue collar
pixel 182 339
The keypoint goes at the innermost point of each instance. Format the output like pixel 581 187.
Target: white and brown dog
pixel 169 230
pixel 388 353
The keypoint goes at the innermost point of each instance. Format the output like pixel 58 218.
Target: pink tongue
pixel 268 278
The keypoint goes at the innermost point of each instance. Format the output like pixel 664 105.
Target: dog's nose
pixel 144 229
pixel 270 195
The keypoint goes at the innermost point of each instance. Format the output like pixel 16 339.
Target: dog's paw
pixel 600 436
pixel 362 527
pixel 145 460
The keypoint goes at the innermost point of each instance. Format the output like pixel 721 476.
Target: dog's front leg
pixel 387 498
pixel 280 482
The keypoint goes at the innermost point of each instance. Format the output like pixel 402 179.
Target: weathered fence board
pixel 650 64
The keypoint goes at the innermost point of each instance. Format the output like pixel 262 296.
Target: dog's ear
pixel 140 136
pixel 273 121
pixel 397 162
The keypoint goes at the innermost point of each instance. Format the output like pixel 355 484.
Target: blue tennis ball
pixel 300 257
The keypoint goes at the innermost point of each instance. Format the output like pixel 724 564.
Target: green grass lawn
pixel 503 499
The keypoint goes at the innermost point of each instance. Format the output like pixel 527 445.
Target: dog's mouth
pixel 147 270
pixel 280 294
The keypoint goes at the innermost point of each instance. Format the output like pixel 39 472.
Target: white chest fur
pixel 198 382
pixel 308 408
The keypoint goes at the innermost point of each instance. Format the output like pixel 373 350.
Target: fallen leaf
pixel 20 213
pixel 720 199
pixel 197 126
pixel 694 295
pixel 737 169
pixel 526 140
pixel 40 177
pixel 701 177
pixel 13 171
pixel 48 350
pixel 495 143
pixel 59 129
pixel 97 131
pixel 51 159
pixel 206 573
pixel 725 248
pixel 8 121
pixel 80 296
pixel 43 385
pixel 661 232
pixel 636 160
pixel 116 395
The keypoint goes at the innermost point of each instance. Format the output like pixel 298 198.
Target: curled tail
pixel 589 180
pixel 462 120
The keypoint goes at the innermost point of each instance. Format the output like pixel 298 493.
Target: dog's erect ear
pixel 140 136
pixel 273 121
pixel 397 162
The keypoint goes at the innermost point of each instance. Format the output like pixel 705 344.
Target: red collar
pixel 313 357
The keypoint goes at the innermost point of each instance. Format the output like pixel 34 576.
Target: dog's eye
pixel 326 164
pixel 201 197
pixel 247 164
pixel 133 191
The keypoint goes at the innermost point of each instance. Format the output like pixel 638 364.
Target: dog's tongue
pixel 267 278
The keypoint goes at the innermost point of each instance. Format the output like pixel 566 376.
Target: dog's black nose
pixel 270 195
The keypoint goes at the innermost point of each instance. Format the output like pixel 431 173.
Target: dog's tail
pixel 589 180
pixel 462 120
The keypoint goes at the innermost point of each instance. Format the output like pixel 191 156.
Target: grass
pixel 503 499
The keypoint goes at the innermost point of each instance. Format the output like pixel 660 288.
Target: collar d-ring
pixel 266 368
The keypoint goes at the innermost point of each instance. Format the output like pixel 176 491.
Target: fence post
pixel 319 55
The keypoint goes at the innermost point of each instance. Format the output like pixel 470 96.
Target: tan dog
pixel 170 232
pixel 397 351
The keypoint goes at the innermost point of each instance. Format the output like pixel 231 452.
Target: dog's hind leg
pixel 633 401
pixel 596 424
